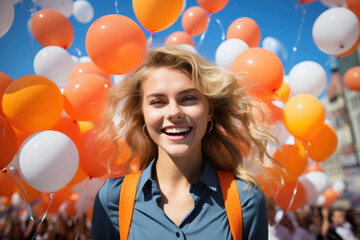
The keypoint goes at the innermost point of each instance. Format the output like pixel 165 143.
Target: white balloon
pixel 14 164
pixel 307 77
pixel 338 186
pixel 118 79
pixel 75 60
pixel 28 27
pixel 315 183
pixel 83 11
pixel 183 7
pixel 334 3
pixel 286 79
pixel 6 16
pixel 228 50
pixel 16 200
pixel 280 132
pixel 336 30
pixel 54 63
pixel 275 46
pixel 48 160
pixel 188 47
pixel 320 201
pixel 85 59
pixel 63 6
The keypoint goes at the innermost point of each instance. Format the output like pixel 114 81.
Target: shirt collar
pixel 208 176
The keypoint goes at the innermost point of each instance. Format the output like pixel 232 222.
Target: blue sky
pixel 281 19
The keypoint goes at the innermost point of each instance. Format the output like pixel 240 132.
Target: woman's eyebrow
pixel 182 92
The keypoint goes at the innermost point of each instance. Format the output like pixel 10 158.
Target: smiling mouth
pixel 179 131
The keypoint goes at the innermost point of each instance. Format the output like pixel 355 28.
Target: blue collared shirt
pixel 206 220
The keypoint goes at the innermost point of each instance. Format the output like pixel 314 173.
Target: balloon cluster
pixel 49 120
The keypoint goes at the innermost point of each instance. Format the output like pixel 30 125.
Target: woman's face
pixel 175 113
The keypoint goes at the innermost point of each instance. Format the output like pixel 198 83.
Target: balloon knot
pixel 4 170
pixel 152 34
pixel 210 15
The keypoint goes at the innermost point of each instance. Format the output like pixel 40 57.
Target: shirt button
pixel 178 234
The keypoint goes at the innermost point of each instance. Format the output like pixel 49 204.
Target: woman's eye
pixel 154 102
pixel 189 98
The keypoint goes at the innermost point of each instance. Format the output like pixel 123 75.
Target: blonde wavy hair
pixel 237 141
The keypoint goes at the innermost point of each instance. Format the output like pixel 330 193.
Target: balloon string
pixel 204 33
pixel 150 39
pixel 80 207
pixel 52 195
pixel 292 197
pixel 295 48
pixel 222 29
pixel 116 7
pixel 23 192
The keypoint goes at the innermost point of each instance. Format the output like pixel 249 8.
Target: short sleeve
pixel 253 205
pixel 105 223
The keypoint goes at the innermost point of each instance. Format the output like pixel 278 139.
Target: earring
pixel 144 129
pixel 211 126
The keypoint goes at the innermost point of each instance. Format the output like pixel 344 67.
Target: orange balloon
pixel 20 137
pixel 27 191
pixel 262 69
pixel 5 81
pixel 95 154
pixel 72 200
pixel 32 103
pixel 352 49
pixel 8 143
pixel 304 116
pixel 194 20
pixel 284 92
pixel 84 97
pixel 271 185
pixel 157 15
pixel 330 196
pixel 352 78
pixel 212 6
pixel 178 38
pixel 88 67
pixel 7 184
pixel 79 176
pixel 354 6
pixel 323 145
pixel 57 200
pixel 85 126
pixel 89 214
pixel 116 44
pixel 272 112
pixel 294 160
pixel 52 28
pixel 69 127
pixel 245 29
pixel 291 196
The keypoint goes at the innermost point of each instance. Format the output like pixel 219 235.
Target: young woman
pixel 184 119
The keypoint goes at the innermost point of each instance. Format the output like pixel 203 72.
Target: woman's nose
pixel 174 111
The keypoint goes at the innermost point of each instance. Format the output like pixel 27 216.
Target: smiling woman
pixel 189 124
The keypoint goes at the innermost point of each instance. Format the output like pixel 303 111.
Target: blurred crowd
pixel 313 223
pixel 306 223
pixel 17 224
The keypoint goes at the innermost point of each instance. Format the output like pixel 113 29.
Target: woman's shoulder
pixel 110 191
pixel 249 192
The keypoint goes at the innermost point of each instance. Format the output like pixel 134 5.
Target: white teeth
pixel 177 130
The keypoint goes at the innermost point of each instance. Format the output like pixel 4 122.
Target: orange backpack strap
pixel 126 203
pixel 232 203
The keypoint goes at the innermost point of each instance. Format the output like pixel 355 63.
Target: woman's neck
pixel 177 172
